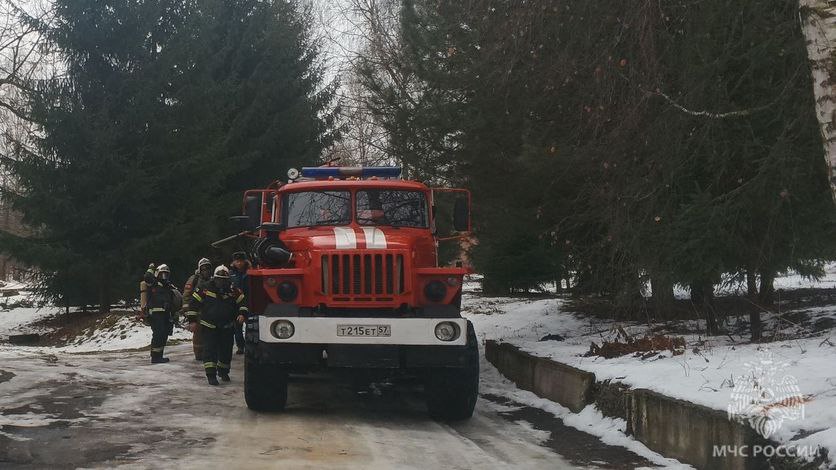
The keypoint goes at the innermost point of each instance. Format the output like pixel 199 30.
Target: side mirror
pixel 461 215
pixel 252 210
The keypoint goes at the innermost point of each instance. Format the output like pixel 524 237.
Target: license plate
pixel 364 330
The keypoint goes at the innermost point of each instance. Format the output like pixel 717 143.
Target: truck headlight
pixel 282 329
pixel 435 291
pixel 447 331
pixel 288 291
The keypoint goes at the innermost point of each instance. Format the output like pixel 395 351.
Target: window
pixel 312 208
pixel 395 208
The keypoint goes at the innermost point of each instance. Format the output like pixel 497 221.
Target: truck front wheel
pixel 265 386
pixel 452 391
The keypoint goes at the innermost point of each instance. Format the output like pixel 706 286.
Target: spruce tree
pixel 167 110
pixel 671 142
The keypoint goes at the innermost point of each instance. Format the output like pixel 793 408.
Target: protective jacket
pixel 161 307
pixel 161 298
pixel 193 284
pixel 217 309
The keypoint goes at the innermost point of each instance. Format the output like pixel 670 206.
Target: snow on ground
pixel 795 281
pixel 788 281
pixel 729 286
pixel 17 312
pixel 610 431
pixel 19 320
pixel 13 286
pixel 706 373
pixel 126 333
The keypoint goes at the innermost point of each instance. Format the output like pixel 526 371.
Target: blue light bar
pixel 348 171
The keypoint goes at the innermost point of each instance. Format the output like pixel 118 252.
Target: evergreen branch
pixel 710 114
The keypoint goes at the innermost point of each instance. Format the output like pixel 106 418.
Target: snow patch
pixel 706 374
pixel 589 420
pixel 126 333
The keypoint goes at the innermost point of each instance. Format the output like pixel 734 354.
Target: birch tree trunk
pixel 818 24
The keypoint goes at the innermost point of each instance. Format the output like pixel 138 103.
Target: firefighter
pixel 160 307
pixel 201 276
pixel 221 308
pixel 238 276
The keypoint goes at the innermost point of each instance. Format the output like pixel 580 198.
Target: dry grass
pixel 644 347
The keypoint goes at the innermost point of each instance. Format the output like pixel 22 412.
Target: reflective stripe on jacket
pixel 218 309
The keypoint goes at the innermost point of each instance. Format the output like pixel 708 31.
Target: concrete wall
pixel 674 428
pixel 517 365
pixel 689 432
pixel 567 385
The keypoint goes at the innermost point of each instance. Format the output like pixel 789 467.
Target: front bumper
pixel 306 357
pixel 324 330
pixel 315 344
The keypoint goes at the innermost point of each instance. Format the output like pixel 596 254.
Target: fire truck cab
pixel 347 278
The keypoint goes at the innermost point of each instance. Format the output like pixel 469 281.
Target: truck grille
pixel 362 276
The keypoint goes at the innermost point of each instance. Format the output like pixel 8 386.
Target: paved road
pixel 113 409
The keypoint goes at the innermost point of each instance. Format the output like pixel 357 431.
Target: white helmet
pixel 163 268
pixel 221 272
pixel 203 262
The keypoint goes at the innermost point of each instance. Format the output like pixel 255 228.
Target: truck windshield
pixel 309 208
pixel 394 208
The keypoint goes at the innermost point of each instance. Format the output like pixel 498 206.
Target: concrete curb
pixel 567 385
pixel 674 428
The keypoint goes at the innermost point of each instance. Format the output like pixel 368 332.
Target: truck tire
pixel 452 391
pixel 265 386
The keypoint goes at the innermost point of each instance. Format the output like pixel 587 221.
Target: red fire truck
pixel 347 279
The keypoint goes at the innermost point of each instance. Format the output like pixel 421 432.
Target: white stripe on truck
pixel 345 238
pixel 375 238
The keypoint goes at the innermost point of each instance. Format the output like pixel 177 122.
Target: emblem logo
pixel 765 396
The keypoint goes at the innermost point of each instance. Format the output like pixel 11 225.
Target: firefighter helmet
pixel 162 272
pixel 203 262
pixel 221 272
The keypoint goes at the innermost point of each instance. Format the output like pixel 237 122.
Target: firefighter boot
pixel 157 357
pixel 212 379
pixel 223 370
